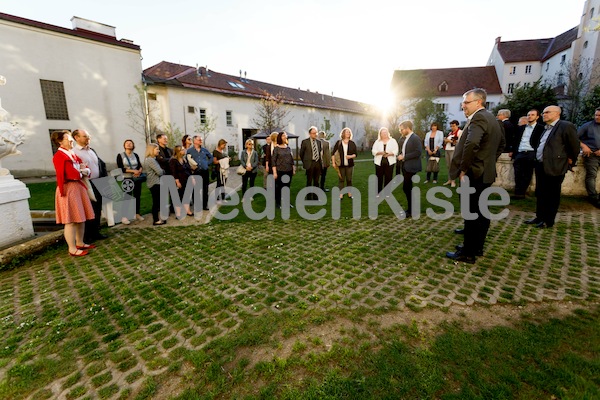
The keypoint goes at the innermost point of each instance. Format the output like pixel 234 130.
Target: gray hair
pixel 478 93
pixel 505 112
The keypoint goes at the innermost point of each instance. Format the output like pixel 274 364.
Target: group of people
pixel 549 150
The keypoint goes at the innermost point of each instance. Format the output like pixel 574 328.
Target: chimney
pixel 245 75
pixel 240 74
pixel 498 39
pixel 82 24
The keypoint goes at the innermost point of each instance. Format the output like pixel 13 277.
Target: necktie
pixel 315 151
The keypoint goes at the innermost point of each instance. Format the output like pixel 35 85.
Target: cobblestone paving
pixel 101 325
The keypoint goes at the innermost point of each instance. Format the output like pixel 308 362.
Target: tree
pixel 143 114
pixel 575 77
pixel 539 96
pixel 590 102
pixel 326 127
pixel 427 112
pixel 205 125
pixel 174 134
pixel 271 114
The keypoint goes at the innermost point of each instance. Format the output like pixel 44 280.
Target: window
pixel 528 69
pixel 202 116
pixel 236 85
pixel 460 107
pixel 585 45
pixel 228 118
pixel 511 88
pixel 191 109
pixel 513 70
pixel 563 58
pixel 55 102
pixel 151 96
pixel 343 124
pixel 526 85
pixel 441 107
pixel 592 13
pixel 547 66
pixel 560 80
pixel 443 87
pixel 489 105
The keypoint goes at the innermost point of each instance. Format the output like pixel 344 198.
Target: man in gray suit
pixel 482 143
pixel 555 153
pixel 409 160
pixel 310 154
pixel 326 159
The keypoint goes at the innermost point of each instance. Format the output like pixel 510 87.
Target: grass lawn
pixel 296 309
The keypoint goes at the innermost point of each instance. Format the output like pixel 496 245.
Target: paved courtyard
pixel 101 325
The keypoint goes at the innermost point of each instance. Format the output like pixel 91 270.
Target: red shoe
pixel 79 253
pixel 86 247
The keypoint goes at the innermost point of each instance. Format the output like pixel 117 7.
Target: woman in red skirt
pixel 72 203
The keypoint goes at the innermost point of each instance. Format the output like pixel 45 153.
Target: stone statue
pixel 10 135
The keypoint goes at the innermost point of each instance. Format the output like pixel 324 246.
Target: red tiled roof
pixel 98 37
pixel 561 42
pixel 200 79
pixel 415 83
pixel 536 49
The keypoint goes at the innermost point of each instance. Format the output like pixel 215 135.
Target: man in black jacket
pixel 475 158
pixel 509 129
pixel 523 152
pixel 555 153
pixel 409 160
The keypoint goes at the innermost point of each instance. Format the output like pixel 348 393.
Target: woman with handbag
pixel 249 160
pixel 218 154
pixel 154 172
pixel 181 171
pixel 385 150
pixel 72 203
pixel 130 164
pixel 342 159
pixel 433 142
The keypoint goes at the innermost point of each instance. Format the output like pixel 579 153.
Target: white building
pixel 523 62
pixel 447 85
pixel 59 78
pixel 181 95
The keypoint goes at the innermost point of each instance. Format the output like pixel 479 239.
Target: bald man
pixel 555 153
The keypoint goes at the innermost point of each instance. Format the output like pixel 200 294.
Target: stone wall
pixel 573 185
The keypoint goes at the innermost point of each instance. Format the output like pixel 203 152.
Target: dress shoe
pixel 459 231
pixel 543 225
pixel 459 256
pixel 533 221
pixel 460 247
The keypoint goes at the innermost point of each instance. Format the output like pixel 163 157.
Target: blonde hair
pixel 177 152
pixel 383 128
pixel 246 142
pixel 344 130
pixel 274 137
pixel 150 150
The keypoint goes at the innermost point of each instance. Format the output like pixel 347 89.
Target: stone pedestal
pixel 573 185
pixel 15 218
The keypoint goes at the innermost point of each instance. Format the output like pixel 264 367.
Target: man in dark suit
pixel 310 154
pixel 325 159
pixel 509 129
pixel 409 159
pixel 523 152
pixel 483 143
pixel 555 153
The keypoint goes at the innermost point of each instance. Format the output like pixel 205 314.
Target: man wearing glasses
pixel 555 153
pixel 475 157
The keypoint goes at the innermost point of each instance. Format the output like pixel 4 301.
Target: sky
pixel 346 48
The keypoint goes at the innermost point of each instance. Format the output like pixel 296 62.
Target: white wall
pixel 97 79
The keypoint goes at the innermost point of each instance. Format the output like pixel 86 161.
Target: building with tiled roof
pixel 446 86
pixel 61 78
pixel 522 62
pixel 183 94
